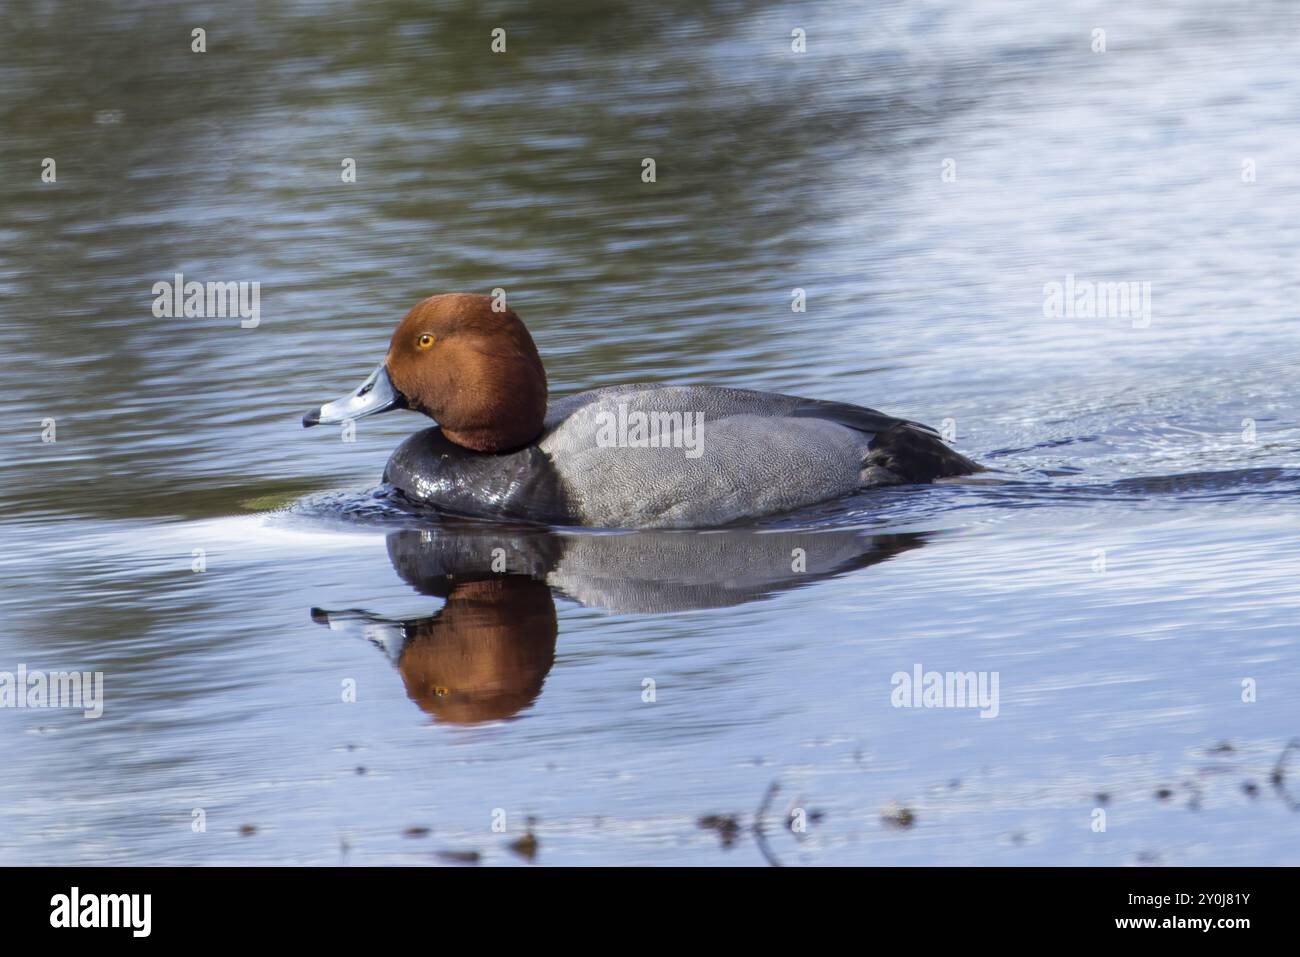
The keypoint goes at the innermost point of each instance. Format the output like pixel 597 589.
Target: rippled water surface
pixel 1128 570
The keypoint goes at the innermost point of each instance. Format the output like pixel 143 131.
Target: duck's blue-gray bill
pixel 376 394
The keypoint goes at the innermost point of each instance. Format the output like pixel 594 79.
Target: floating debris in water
pixel 459 857
pixel 247 830
pixel 727 826
pixel 417 832
pixel 895 815
pixel 526 846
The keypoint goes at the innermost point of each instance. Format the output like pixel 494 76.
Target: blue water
pixel 1127 570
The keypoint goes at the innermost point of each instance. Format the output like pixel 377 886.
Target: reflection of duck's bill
pixel 377 394
pixel 384 633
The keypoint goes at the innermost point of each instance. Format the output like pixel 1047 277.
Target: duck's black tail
pixel 905 454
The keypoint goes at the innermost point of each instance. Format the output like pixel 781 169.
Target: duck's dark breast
pixel 430 470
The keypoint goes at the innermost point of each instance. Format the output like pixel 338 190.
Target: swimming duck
pixel 627 456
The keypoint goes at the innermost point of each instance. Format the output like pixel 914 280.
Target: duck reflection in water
pixel 485 654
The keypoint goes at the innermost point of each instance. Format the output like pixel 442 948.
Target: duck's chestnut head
pixel 470 367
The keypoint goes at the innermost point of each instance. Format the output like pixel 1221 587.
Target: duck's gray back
pixel 722 455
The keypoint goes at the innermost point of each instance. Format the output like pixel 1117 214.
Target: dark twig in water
pixel 459 857
pixel 760 836
pixel 1278 778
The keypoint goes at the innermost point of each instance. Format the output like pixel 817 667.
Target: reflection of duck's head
pixel 486 653
pixel 483 656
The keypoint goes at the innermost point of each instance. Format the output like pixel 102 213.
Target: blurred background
pixel 921 170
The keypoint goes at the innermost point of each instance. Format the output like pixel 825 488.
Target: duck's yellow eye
pixel 425 341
